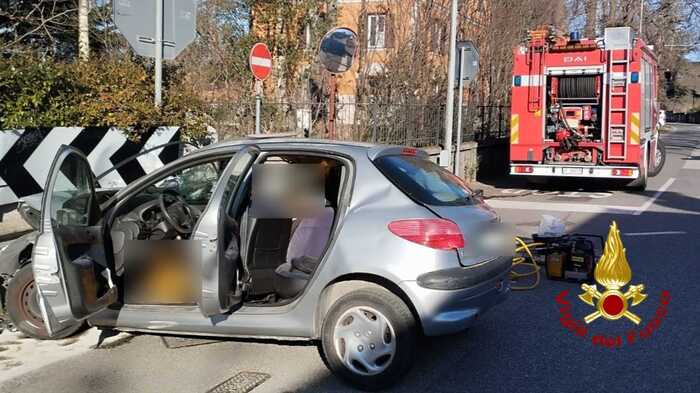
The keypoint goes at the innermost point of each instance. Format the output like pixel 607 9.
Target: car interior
pixel 282 254
pixel 274 257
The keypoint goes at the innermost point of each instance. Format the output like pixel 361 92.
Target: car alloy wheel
pixel 364 340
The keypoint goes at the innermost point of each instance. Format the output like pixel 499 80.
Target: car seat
pixel 306 247
pixel 122 231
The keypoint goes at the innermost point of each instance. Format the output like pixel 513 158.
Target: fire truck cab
pixel 585 107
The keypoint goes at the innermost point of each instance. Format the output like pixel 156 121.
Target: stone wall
pixel 468 159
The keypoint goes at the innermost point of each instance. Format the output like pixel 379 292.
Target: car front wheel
pixel 368 338
pixel 23 306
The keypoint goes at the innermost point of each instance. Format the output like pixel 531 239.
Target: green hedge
pixel 37 92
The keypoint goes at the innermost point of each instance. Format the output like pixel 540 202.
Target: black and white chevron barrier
pixel 26 156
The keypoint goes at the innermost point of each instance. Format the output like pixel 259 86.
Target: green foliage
pixel 42 84
pixel 35 92
pixel 102 92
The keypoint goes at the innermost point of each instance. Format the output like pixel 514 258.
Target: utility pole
pixel 83 30
pixel 457 168
pixel 159 52
pixel 446 154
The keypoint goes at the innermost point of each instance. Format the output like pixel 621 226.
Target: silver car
pixel 192 249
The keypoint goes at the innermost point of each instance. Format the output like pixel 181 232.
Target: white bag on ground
pixel 551 226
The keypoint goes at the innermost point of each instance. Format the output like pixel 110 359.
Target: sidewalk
pixel 20 354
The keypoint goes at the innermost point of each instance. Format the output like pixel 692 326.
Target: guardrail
pixel 692 117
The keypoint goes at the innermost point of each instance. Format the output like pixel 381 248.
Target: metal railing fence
pixel 411 124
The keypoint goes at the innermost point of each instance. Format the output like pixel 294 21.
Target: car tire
pixel 23 308
pixel 660 158
pixel 369 327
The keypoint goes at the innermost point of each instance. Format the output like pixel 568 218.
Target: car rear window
pixel 424 181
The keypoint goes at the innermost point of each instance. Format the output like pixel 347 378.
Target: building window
pixel 376 31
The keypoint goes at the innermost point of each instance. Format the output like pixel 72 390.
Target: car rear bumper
pixel 448 301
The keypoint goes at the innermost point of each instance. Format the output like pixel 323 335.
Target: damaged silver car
pixel 380 253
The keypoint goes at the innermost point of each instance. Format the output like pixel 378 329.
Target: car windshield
pixel 195 184
pixel 424 181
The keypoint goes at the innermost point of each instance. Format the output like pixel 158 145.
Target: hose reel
pixel 577 87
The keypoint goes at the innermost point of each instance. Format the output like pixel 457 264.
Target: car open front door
pixel 69 258
pixel 220 275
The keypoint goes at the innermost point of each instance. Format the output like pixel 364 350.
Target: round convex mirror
pixel 338 49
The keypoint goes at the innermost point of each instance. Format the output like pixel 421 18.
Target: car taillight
pixel 435 233
pixel 622 172
pixel 523 169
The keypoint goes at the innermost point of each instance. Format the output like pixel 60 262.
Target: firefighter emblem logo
pixel 613 273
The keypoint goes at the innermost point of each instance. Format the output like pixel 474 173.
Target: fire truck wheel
pixel 660 158
pixel 640 183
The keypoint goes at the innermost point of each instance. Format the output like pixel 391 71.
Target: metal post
pixel 258 104
pixel 449 109
pixel 159 51
pixel 331 105
pixel 458 169
pixel 641 17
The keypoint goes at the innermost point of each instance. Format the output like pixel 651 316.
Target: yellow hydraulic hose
pixel 520 259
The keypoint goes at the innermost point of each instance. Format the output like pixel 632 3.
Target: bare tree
pixel 48 26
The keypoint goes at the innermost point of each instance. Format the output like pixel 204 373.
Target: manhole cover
pixel 173 342
pixel 243 382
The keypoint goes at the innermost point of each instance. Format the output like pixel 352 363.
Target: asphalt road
pixel 520 346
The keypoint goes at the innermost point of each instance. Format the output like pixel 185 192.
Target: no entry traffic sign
pixel 260 61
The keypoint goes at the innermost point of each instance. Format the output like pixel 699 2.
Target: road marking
pixel 693 161
pixel 580 207
pixel 655 233
pixel 656 196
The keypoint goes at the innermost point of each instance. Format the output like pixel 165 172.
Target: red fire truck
pixel 585 107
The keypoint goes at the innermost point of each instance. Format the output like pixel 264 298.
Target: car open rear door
pixel 220 276
pixel 70 256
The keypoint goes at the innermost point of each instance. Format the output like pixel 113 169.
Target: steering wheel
pixel 177 212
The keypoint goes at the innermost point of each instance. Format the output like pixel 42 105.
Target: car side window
pixel 71 196
pixel 424 180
